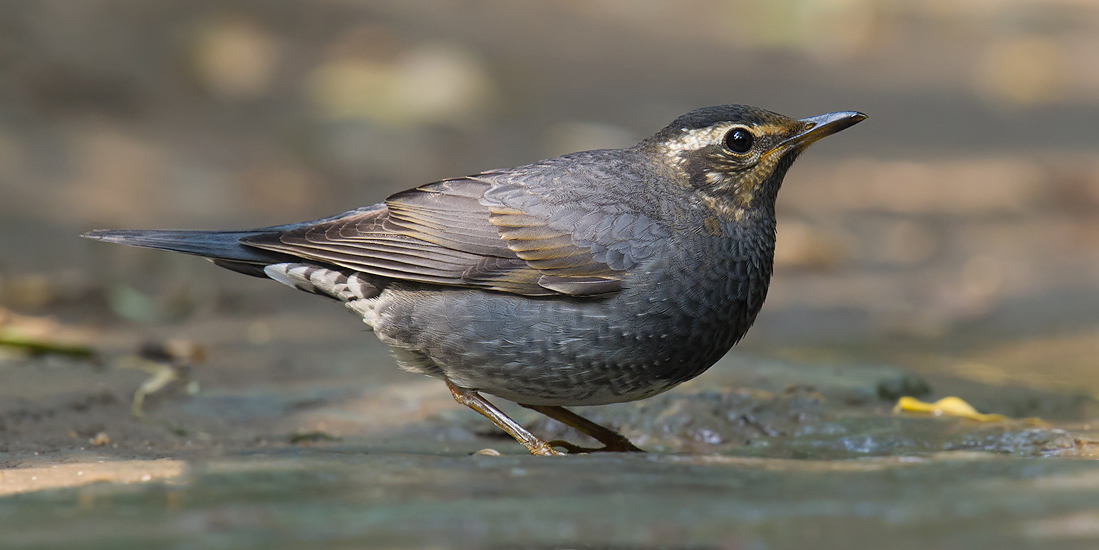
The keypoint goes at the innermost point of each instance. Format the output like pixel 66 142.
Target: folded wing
pixel 449 233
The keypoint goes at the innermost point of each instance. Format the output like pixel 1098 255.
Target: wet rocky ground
pixel 313 438
pixel 343 498
pixel 947 246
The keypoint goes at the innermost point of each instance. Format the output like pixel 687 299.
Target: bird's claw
pixel 574 449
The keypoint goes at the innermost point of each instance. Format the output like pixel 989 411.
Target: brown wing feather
pixel 441 233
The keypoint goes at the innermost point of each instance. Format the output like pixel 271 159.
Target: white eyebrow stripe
pixel 697 138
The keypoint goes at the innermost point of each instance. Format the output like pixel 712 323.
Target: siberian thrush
pixel 591 278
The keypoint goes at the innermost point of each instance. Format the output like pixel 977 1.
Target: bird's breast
pixel 701 296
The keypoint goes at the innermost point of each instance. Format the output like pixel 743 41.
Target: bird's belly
pixel 554 351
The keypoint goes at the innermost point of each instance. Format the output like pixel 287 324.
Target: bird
pixel 591 278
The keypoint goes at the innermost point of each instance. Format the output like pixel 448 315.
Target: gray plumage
pixel 591 278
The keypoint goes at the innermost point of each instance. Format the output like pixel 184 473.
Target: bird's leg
pixel 614 441
pixel 474 401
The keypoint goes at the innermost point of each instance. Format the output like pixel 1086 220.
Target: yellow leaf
pixel 947 406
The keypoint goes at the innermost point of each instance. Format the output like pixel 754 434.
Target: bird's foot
pixel 545 449
pixel 617 447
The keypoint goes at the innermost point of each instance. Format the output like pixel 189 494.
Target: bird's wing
pixel 476 232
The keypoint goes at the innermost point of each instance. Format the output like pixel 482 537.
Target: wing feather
pixel 447 233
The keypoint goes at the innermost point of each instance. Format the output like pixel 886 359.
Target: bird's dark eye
pixel 739 140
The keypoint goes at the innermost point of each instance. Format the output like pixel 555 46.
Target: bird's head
pixel 737 155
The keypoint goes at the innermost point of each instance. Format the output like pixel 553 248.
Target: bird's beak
pixel 817 127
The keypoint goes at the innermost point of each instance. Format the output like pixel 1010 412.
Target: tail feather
pixel 223 247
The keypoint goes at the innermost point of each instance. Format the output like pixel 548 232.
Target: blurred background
pixel 956 231
pixel 951 241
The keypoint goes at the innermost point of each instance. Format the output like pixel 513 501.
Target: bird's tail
pixel 222 247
